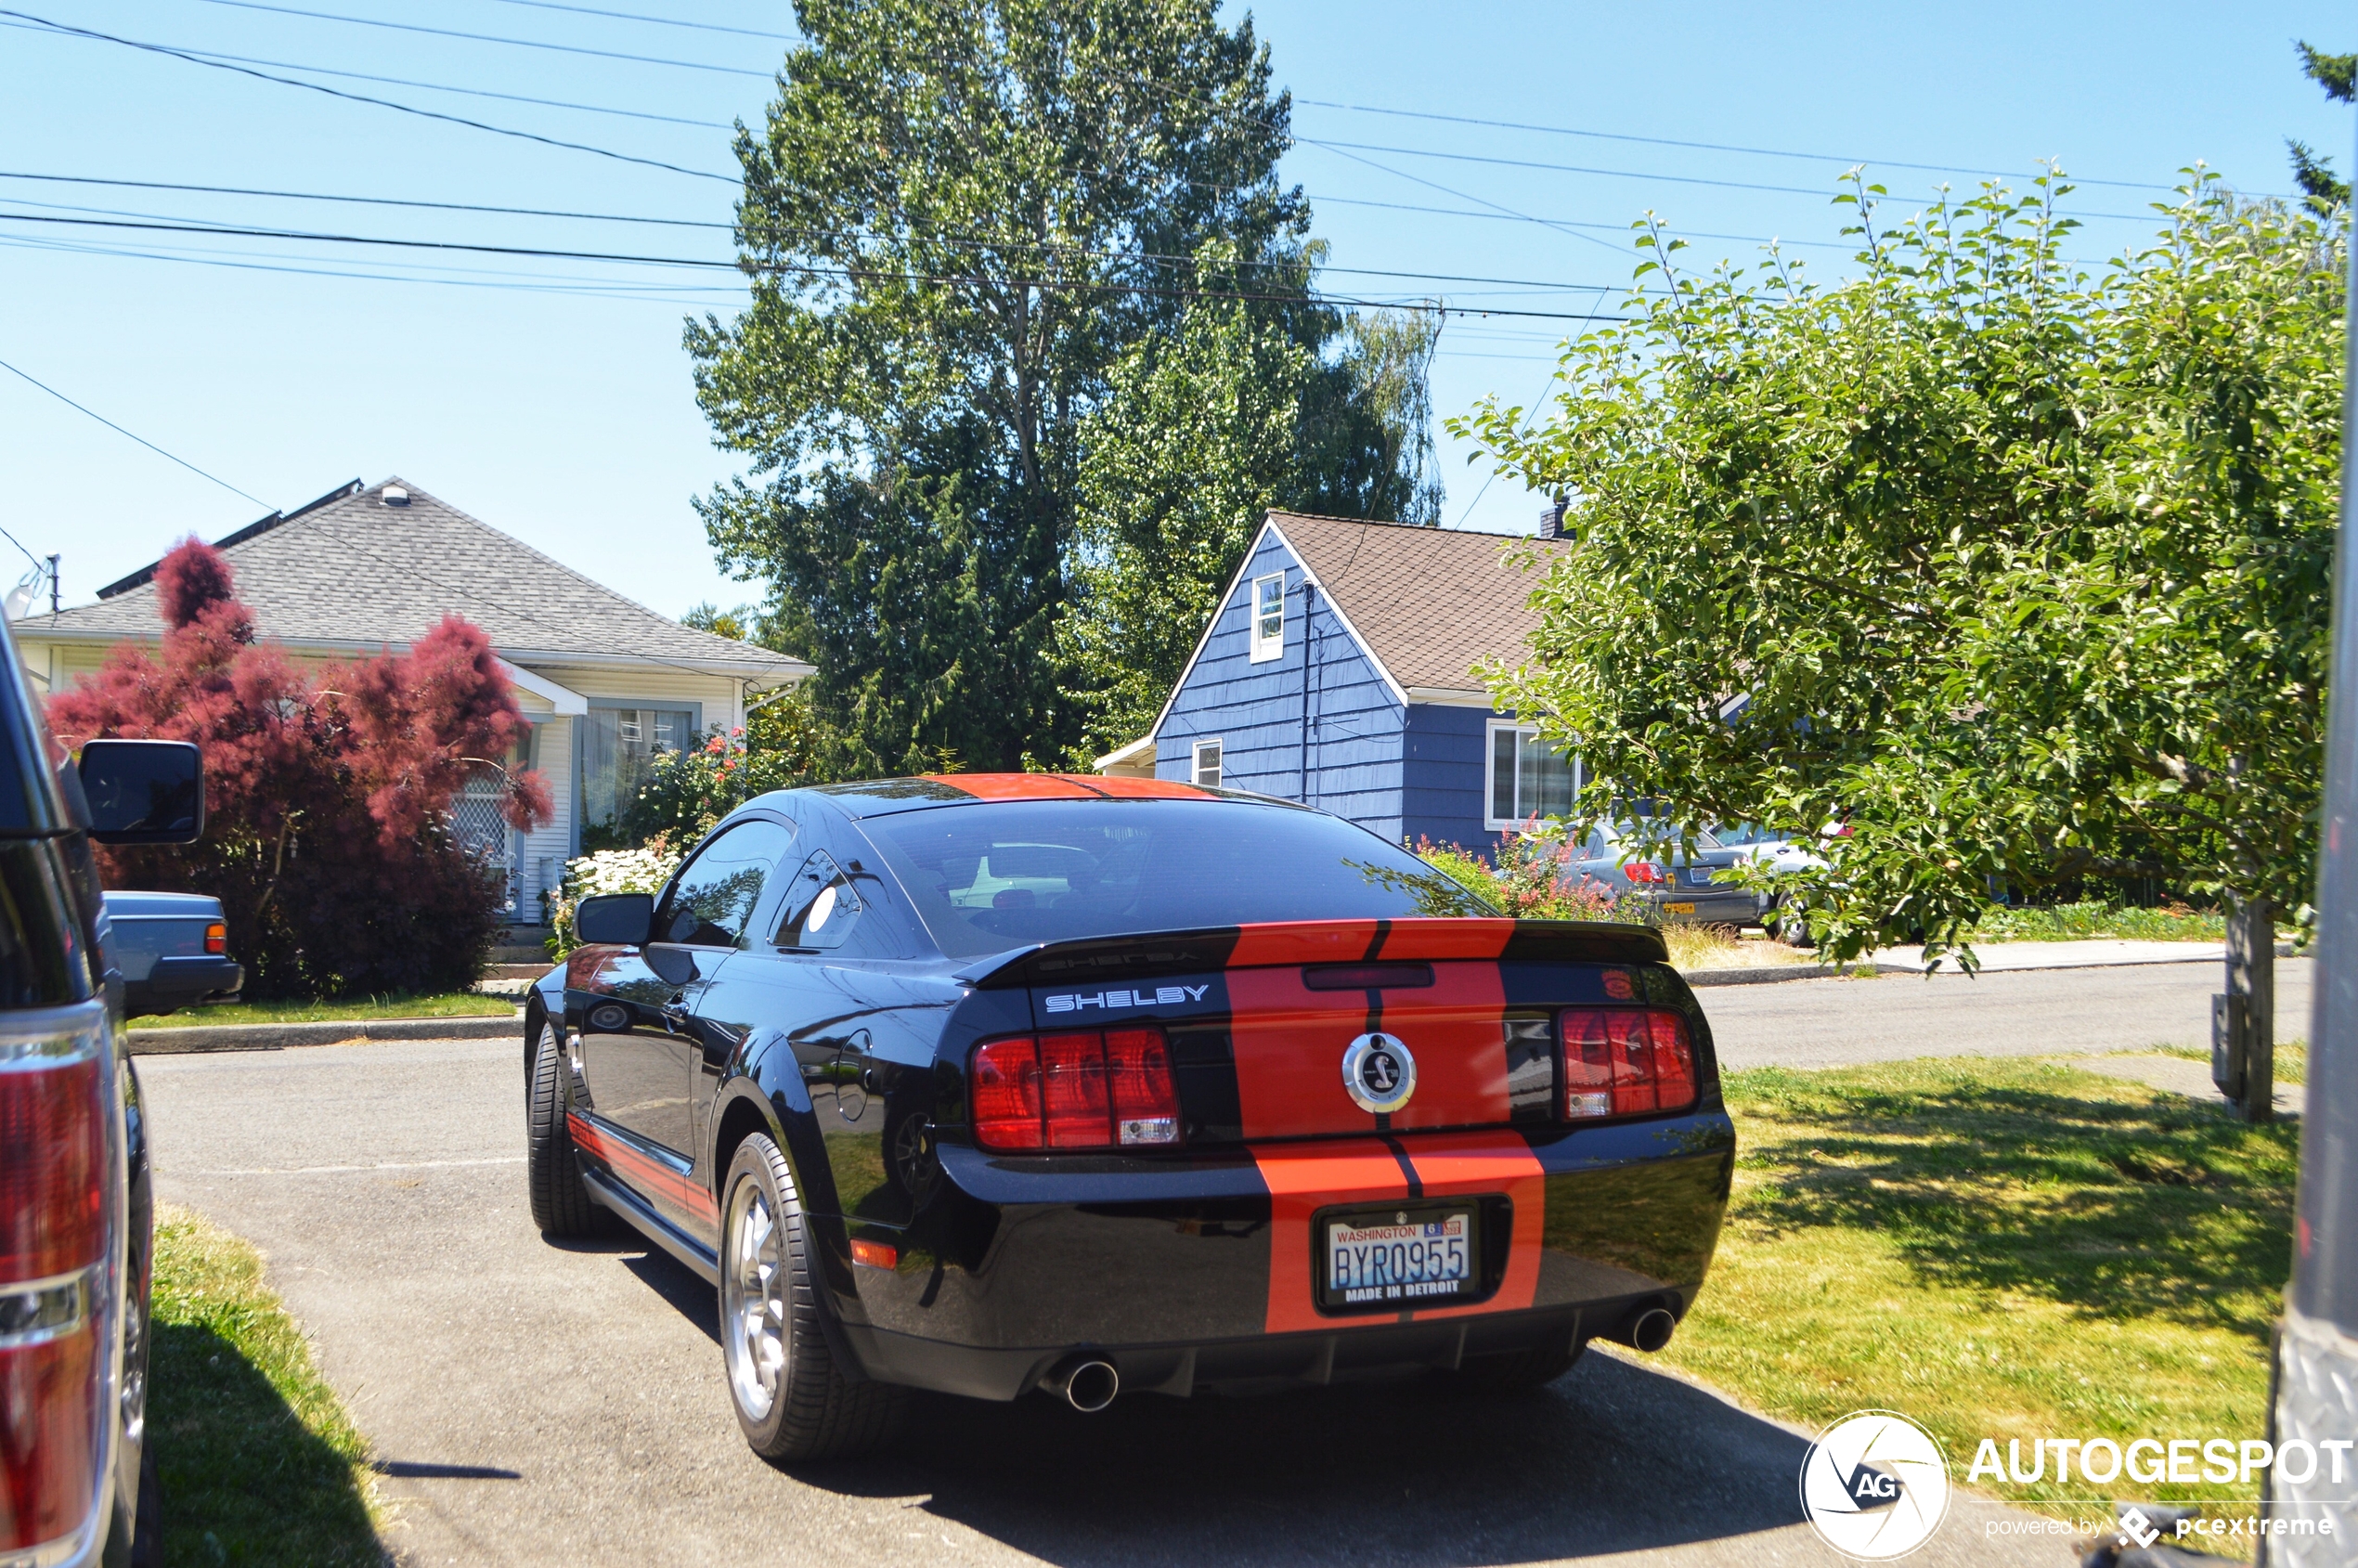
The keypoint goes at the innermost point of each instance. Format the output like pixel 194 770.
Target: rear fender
pixel 765 1080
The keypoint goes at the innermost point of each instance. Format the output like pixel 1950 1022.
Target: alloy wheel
pixel 753 1298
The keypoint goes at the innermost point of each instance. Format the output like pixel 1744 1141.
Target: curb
pixel 272 1037
pixel 1767 974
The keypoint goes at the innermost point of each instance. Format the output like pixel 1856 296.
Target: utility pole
pixel 53 585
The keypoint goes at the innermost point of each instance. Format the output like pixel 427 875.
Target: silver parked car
pixel 1679 885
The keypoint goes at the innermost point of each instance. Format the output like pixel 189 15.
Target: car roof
pixel 882 796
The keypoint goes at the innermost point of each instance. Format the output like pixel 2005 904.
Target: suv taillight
pixel 1624 1061
pixel 53 1249
pixel 1098 1089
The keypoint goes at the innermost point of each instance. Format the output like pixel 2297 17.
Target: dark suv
pixel 75 1204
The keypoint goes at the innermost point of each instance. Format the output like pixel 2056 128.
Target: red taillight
pixel 1112 1089
pixel 53 1182
pixel 1006 1094
pixel 1625 1061
pixel 216 937
pixel 53 1156
pixel 1645 870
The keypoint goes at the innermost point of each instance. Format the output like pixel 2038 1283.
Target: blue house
pixel 1339 672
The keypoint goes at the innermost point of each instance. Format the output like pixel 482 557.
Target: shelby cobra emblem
pixel 1379 1073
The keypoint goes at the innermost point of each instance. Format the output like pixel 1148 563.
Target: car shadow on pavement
pixel 1612 1457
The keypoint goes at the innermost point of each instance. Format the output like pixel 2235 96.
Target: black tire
pixel 1522 1369
pixel 147 1528
pixel 561 1202
pixel 795 1402
pixel 1791 929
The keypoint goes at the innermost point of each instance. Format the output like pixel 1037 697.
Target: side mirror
pixel 621 919
pixel 144 792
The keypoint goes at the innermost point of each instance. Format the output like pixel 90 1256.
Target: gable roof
pixel 1427 603
pixel 352 570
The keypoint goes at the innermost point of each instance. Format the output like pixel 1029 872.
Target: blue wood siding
pixel 1404 772
pixel 1354 744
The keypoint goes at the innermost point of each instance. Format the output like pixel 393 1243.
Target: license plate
pixel 1677 909
pixel 1700 876
pixel 1398 1258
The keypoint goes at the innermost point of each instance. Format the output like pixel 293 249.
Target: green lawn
pixel 2083 922
pixel 2000 1248
pixel 257 1459
pixel 454 1004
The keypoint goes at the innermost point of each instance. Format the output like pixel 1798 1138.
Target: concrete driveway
pixel 537 1404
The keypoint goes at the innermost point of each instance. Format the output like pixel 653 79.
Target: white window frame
pixel 1490 772
pixel 1267 646
pixel 1195 768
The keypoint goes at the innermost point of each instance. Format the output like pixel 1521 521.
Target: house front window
pixel 1525 778
pixel 1268 618
pixel 618 748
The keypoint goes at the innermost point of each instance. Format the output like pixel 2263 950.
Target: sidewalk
pixel 2100 955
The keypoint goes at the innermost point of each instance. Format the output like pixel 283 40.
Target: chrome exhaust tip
pixel 1087 1385
pixel 1651 1329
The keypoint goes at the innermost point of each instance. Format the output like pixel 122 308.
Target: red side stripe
pixel 644 1171
pixel 1303 1179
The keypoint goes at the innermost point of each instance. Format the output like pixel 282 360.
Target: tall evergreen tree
pixel 958 217
pixel 2338 74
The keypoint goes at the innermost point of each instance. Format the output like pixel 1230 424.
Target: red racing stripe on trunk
pixel 1288 1043
pixel 1303 1179
pixel 1474 1164
pixel 1304 941
pixel 644 1171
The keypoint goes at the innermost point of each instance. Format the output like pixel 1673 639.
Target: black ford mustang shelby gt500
pixel 985 1084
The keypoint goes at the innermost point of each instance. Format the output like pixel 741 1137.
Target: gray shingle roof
pixel 356 572
pixel 1430 602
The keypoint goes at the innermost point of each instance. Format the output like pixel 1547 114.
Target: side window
pixel 712 900
pixel 820 907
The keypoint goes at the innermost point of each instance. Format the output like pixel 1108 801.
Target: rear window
pixel 986 878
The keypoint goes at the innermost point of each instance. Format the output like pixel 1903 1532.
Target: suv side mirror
pixel 144 792
pixel 621 919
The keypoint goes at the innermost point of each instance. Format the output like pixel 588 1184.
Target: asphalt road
pixel 2019 1013
pixel 537 1404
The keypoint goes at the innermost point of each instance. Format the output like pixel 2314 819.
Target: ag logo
pixel 1379 1073
pixel 1875 1485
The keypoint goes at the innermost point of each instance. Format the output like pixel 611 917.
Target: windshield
pixel 986 878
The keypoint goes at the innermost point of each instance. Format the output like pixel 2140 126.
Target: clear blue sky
pixel 552 399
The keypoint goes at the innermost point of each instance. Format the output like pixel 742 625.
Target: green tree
pixel 2021 573
pixel 958 218
pixel 2338 74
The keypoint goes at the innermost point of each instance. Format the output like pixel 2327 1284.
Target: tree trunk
pixel 2252 975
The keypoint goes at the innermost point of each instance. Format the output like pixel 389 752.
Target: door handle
pixel 676 1010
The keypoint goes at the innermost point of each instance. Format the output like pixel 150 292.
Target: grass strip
pixel 257 1458
pixel 451 1005
pixel 1998 1249
pixel 2084 922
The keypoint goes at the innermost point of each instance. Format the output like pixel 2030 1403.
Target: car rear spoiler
pixel 1148 954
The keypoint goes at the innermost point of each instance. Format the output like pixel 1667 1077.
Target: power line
pixel 361 97
pixel 1697 146
pixel 1045 285
pixel 1052 247
pixel 1616 173
pixel 119 430
pixel 490 38
pixel 436 86
pixel 660 21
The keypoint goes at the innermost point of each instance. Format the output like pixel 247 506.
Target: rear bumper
pixel 175 984
pixel 1198 1270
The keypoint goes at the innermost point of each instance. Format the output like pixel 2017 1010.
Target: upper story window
pixel 1208 764
pixel 1525 778
pixel 1268 618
